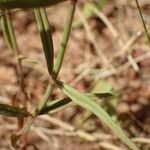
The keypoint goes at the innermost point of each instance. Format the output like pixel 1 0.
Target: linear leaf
pixel 28 60
pixel 46 37
pixel 89 104
pixel 11 111
pixel 56 104
pixel 97 96
pixel 5 28
pixel 10 4
pixel 8 32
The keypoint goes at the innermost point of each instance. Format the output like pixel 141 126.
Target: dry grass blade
pixel 67 129
pixel 110 146
pixel 141 140
pixel 104 18
pixel 92 38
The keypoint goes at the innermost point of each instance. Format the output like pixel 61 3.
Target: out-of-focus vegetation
pixel 103 29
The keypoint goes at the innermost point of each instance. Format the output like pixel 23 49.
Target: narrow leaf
pixel 5 28
pixel 46 37
pixel 56 104
pixel 99 95
pixel 89 104
pixel 11 111
pixel 102 86
pixel 25 60
pixel 10 4
pixel 8 32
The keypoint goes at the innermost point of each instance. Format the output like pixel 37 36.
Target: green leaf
pixel 97 96
pixel 10 4
pixel 56 104
pixel 111 104
pixel 11 111
pixel 8 32
pixel 89 104
pixel 5 20
pixel 102 86
pixel 101 90
pixel 28 60
pixel 46 36
pixel 53 105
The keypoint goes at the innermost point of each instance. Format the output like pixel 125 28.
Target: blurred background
pixel 107 51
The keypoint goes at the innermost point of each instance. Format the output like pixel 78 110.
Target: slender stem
pixel 4 26
pixel 60 57
pixel 17 53
pixel 143 22
pixel 45 99
pixel 11 42
pixel 64 41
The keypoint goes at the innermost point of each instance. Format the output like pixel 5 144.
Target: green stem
pixel 64 41
pixel 11 42
pixel 60 57
pixel 143 22
pixel 45 99
pixel 16 53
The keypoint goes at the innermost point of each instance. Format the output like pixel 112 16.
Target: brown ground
pixel 126 67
